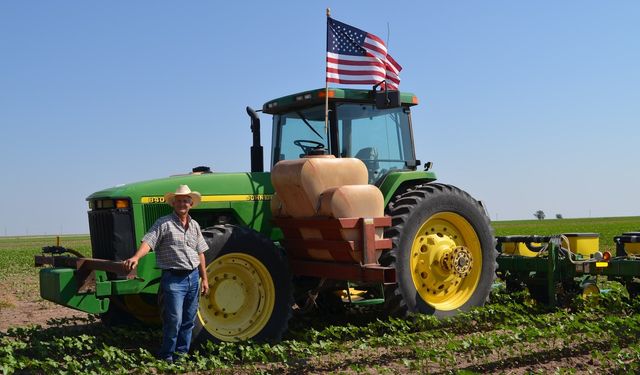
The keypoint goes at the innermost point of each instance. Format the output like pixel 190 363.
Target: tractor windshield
pixel 294 133
pixel 379 137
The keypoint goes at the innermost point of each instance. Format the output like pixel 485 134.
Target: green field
pixel 16 253
pixel 511 334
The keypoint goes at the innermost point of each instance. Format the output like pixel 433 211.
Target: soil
pixel 394 360
pixel 21 305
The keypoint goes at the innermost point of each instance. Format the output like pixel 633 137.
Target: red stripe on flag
pixel 372 47
pixel 357 72
pixel 354 63
pixel 394 63
pixel 352 82
pixel 374 37
pixel 391 80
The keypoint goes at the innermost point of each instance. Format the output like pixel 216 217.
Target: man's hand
pixel 204 290
pixel 131 263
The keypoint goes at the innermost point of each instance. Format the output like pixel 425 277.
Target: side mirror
pixel 412 164
pixel 387 99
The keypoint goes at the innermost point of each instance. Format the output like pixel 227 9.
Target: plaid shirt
pixel 175 247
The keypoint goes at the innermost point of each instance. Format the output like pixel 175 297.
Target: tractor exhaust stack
pixel 257 155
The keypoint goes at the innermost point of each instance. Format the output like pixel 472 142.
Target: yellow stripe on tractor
pixel 217 198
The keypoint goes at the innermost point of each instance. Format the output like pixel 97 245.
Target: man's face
pixel 182 204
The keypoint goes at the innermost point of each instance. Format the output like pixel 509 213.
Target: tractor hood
pixel 212 186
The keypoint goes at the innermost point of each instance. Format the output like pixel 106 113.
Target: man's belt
pixel 179 272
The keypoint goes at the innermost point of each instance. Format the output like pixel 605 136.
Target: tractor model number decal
pixel 152 200
pixel 216 198
pixel 236 198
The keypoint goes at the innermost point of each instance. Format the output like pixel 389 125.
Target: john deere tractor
pixel 347 213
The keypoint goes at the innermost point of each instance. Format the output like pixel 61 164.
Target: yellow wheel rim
pixel 446 261
pixel 241 297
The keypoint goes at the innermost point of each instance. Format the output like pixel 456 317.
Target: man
pixel 179 247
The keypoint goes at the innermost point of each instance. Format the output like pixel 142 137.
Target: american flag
pixel 357 57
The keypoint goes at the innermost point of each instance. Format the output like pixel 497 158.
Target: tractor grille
pixel 152 212
pixel 112 235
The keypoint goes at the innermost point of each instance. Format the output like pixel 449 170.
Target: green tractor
pixel 429 247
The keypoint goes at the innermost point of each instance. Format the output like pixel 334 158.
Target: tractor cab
pixel 374 127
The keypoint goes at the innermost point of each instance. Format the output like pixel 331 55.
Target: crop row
pixel 496 336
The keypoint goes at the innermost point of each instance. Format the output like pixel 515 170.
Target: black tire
pixel 247 264
pixel 126 310
pixel 427 208
pixel 513 284
pixel 117 314
pixel 633 287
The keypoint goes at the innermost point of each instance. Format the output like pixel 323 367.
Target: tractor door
pixel 382 139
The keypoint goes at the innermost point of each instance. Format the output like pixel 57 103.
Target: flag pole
pixel 326 83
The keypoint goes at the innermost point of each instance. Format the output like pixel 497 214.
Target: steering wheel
pixel 307 145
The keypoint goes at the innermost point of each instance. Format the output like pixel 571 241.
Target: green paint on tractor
pixel 373 126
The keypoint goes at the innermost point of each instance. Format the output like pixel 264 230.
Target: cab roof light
pixel 321 94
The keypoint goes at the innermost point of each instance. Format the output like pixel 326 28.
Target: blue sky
pixel 527 105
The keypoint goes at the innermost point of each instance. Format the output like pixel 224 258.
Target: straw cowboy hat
pixel 183 190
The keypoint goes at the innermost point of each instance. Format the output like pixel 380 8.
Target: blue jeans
pixel 178 310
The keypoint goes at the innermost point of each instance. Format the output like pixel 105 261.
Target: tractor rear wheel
pixel 443 252
pixel 250 293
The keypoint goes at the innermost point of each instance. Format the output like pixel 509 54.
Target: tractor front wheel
pixel 443 252
pixel 250 292
pixel 131 309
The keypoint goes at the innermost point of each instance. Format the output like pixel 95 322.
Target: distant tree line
pixel 540 215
